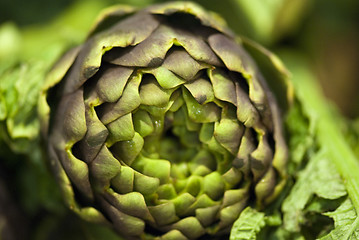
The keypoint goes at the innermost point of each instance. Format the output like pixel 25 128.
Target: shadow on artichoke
pixel 162 123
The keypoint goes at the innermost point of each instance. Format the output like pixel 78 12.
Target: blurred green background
pixel 324 31
pixel 33 34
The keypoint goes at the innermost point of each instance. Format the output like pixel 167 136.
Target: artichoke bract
pixel 162 124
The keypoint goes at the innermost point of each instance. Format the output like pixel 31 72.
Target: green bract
pixel 162 125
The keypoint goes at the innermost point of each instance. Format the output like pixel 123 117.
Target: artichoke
pixel 162 125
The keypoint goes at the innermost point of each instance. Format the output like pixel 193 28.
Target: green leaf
pixel 301 140
pixel 248 225
pixel 319 178
pixel 346 222
pixel 19 89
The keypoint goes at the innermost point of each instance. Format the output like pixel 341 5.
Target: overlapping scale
pixel 160 127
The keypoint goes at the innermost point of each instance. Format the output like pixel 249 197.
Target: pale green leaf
pixel 319 178
pixel 346 223
pixel 248 225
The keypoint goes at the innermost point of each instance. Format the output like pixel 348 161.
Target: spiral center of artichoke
pixel 179 142
pixel 181 136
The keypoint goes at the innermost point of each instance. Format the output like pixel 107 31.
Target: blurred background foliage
pixel 33 34
pixel 326 31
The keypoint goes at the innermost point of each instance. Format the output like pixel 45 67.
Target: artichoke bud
pixel 162 124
